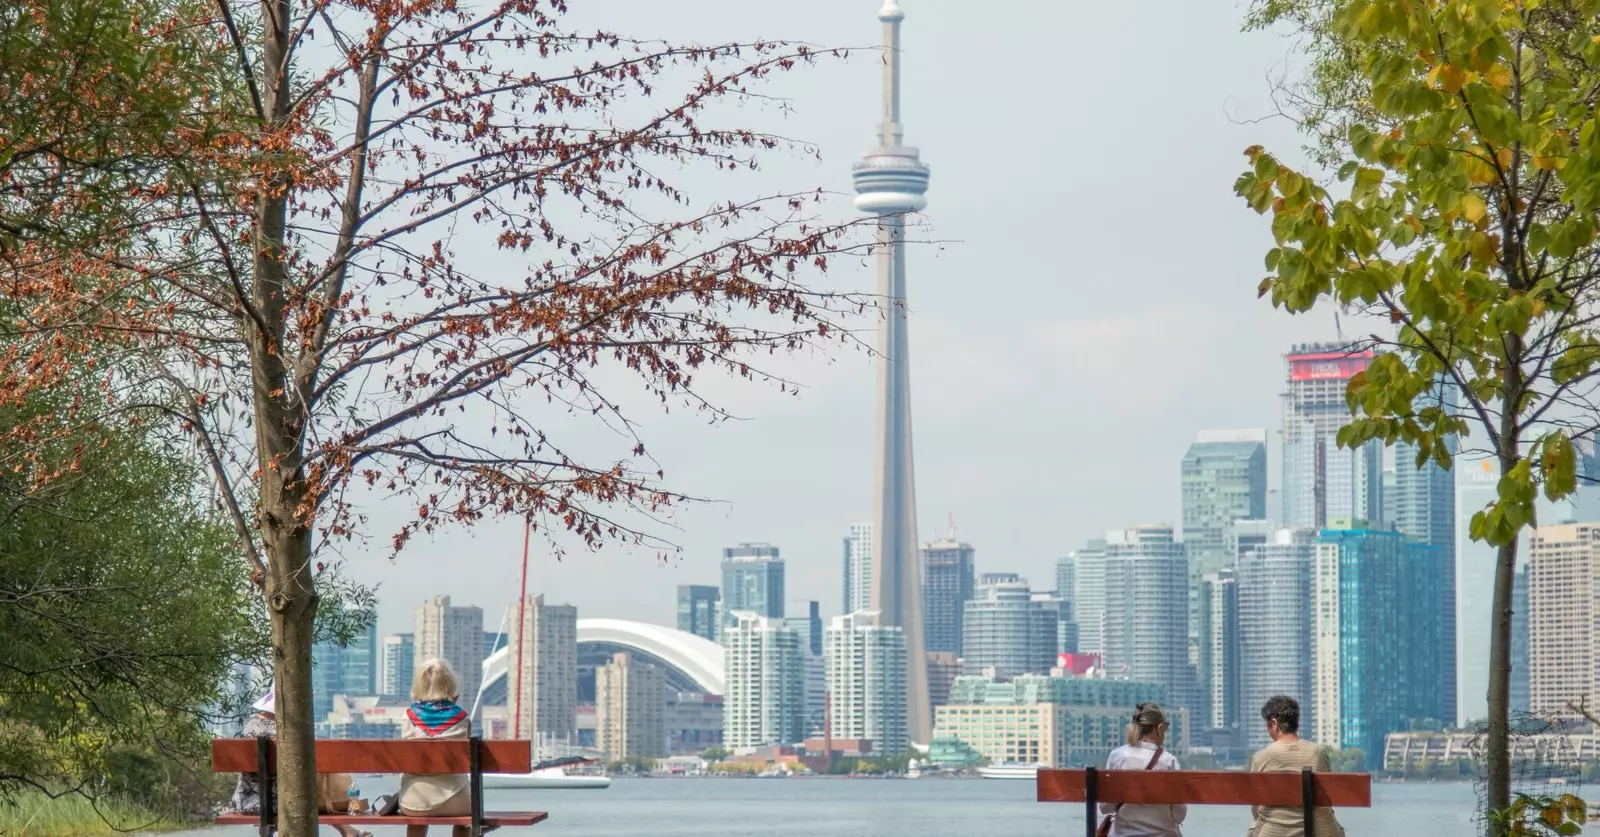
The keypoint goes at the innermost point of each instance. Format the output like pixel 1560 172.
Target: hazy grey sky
pixel 1091 308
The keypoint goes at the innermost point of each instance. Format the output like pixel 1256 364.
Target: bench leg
pixel 475 783
pixel 1091 796
pixel 266 787
pixel 1308 798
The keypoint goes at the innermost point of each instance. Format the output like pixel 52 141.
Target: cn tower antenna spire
pixel 890 182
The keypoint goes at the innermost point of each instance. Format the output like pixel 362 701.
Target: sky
pixel 1084 307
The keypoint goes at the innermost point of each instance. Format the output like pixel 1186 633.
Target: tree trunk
pixel 1497 755
pixel 293 606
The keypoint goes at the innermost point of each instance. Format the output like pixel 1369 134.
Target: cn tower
pixel 890 181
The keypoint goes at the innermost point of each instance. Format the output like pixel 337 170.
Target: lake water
pixel 900 808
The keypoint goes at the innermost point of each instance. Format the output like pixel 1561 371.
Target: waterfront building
pixel 545 696
pixel 697 610
pixel 1147 610
pixel 1223 480
pixel 1563 606
pixel 350 669
pixel 1322 481
pixel 694 722
pixel 1089 595
pixel 453 634
pixel 806 619
pixel 858 568
pixel 1047 720
pixel 752 581
pixel 764 668
pixel 1275 627
pixel 399 654
pixel 1218 694
pixel 867 680
pixel 630 709
pixel 947 585
pixel 1006 631
pixel 943 669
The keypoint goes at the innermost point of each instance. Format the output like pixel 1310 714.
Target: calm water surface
pixel 898 808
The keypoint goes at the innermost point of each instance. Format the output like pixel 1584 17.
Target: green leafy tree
pixel 1351 760
pixel 1464 222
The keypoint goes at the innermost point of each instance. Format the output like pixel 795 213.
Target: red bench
pixel 472 756
pixel 1306 790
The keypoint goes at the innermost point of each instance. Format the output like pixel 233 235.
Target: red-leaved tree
pixel 391 248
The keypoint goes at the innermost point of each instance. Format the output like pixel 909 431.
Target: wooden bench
pixel 472 756
pixel 1306 791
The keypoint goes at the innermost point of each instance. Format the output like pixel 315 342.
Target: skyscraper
pixel 349 669
pixel 1006 630
pixel 1476 484
pixel 1147 610
pixel 1275 627
pixel 399 661
pixel 806 620
pixel 697 610
pixel 867 681
pixel 890 182
pixel 1089 595
pixel 1520 679
pixel 752 581
pixel 1563 609
pixel 1223 479
pixel 858 568
pixel 454 634
pixel 1067 578
pixel 764 668
pixel 1322 481
pixel 543 684
pixel 1218 693
pixel 630 701
pixel 947 586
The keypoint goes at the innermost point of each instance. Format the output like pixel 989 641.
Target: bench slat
pixel 491 818
pixel 1198 787
pixel 354 755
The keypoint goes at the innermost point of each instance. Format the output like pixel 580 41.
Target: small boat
pixel 1010 771
pixel 550 775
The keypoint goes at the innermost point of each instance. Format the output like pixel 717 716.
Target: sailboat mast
pixel 522 606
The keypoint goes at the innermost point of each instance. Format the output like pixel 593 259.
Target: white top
pixel 1143 820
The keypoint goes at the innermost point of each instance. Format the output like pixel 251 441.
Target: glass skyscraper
pixel 806 620
pixel 1006 630
pixel 697 610
pixel 947 586
pixel 1147 610
pixel 399 662
pixel 752 581
pixel 343 670
pixel 1089 594
pixel 1223 479
pixel 858 568
pixel 1218 631
pixel 1322 481
pixel 1275 608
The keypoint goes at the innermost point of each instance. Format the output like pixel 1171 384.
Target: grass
pixel 37 815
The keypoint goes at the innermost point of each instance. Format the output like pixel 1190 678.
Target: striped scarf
pixel 435 717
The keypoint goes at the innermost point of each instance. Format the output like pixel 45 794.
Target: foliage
pixel 128 603
pixel 33 814
pixel 1199 760
pixel 1542 816
pixel 716 753
pixel 1469 156
pixel 1351 760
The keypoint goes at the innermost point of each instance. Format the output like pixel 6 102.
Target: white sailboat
pixel 1010 771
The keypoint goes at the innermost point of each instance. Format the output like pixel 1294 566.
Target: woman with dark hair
pixel 1146 750
pixel 1288 752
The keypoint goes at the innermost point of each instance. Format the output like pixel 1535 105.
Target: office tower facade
pixel 764 667
pixel 630 701
pixel 1275 627
pixel 948 582
pixel 349 669
pixel 697 610
pixel 1218 694
pixel 399 652
pixel 1520 678
pixel 806 619
pixel 890 182
pixel 1563 570
pixel 867 681
pixel 543 684
pixel 1322 481
pixel 1476 485
pixel 1377 628
pixel 1147 610
pixel 1223 479
pixel 1006 630
pixel 752 581
pixel 943 669
pixel 1089 595
pixel 858 568
pixel 1067 579
pixel 455 635
pixel 1066 628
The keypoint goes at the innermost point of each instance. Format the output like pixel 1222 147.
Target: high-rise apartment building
pixel 1378 626
pixel 1089 595
pixel 764 669
pixel 1275 627
pixel 455 635
pixel 858 568
pixel 947 585
pixel 1223 480
pixel 697 610
pixel 752 581
pixel 943 669
pixel 1476 484
pixel 867 681
pixel 1006 630
pixel 1147 610
pixel 806 619
pixel 542 689
pixel 1520 677
pixel 630 700
pixel 1564 606
pixel 1322 481
pixel 399 653
pixel 350 669
pixel 1066 619
pixel 1067 579
pixel 1217 697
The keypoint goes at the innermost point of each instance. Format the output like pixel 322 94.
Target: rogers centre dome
pixel 692 663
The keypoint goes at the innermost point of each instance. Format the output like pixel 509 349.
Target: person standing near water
pixel 1288 752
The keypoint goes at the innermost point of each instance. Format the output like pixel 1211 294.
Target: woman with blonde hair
pixel 1146 750
pixel 434 714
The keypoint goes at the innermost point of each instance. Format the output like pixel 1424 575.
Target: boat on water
pixel 1010 771
pixel 550 775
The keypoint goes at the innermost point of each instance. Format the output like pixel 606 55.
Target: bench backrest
pixel 1205 787
pixel 356 755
